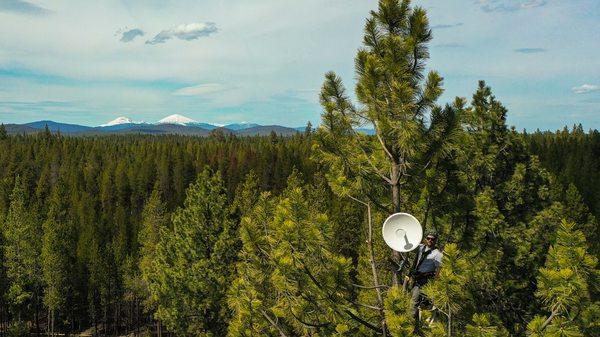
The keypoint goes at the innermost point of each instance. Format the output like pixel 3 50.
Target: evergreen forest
pixel 281 236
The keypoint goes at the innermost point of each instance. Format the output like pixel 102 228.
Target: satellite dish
pixel 402 232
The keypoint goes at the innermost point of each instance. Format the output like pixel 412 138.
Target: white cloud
pixel 187 32
pixel 586 88
pixel 200 89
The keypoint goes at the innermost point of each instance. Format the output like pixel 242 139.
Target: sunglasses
pixel 430 239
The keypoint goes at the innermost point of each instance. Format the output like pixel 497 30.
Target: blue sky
pixel 263 61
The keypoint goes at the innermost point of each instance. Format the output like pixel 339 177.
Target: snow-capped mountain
pixel 176 119
pixel 118 121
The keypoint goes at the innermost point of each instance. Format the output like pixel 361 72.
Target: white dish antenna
pixel 402 232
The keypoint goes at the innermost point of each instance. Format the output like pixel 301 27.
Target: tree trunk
pixel 117 317
pixel 37 313
pixel 137 317
pixel 1 319
pixel 374 271
pixel 396 208
pixel 95 322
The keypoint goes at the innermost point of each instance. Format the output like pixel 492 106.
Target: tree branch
pixel 312 325
pixel 362 321
pixel 387 151
pixel 554 313
pixel 367 306
pixel 367 287
pixel 274 324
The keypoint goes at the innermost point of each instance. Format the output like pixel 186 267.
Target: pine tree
pixel 154 224
pixel 4 284
pixel 308 130
pixel 47 134
pixel 250 295
pixel 563 285
pixel 289 281
pixel 304 264
pixel 395 95
pixel 57 250
pixel 195 261
pixel 578 212
pixel 3 134
pixel 448 291
pixel 246 195
pixel 22 252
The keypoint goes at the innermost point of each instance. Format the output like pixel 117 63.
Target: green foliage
pixel 191 277
pixel 18 329
pixel 559 328
pixel 288 279
pixel 564 286
pixel 398 311
pixel 22 250
pixel 57 251
pixel 395 98
pixel 483 326
pixel 589 321
pixel 563 282
pixel 107 183
pixel 154 224
pixel 490 221
pixel 250 295
pixel 448 291
pixel 304 264
pixel 3 134
pixel 571 155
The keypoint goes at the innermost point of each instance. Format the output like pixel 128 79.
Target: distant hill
pixel 55 126
pixel 148 129
pixel 16 129
pixel 267 130
pixel 188 129
pixel 240 126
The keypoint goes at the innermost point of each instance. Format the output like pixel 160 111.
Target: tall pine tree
pixel 22 252
pixel 195 261
pixel 564 287
pixel 57 254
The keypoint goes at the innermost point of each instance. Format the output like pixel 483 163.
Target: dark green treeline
pixel 71 211
pixel 574 157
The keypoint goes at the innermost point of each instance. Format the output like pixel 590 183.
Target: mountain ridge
pixel 124 125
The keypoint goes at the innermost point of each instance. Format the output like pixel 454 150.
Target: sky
pixel 263 61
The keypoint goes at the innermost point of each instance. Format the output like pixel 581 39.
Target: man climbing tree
pixel 426 265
